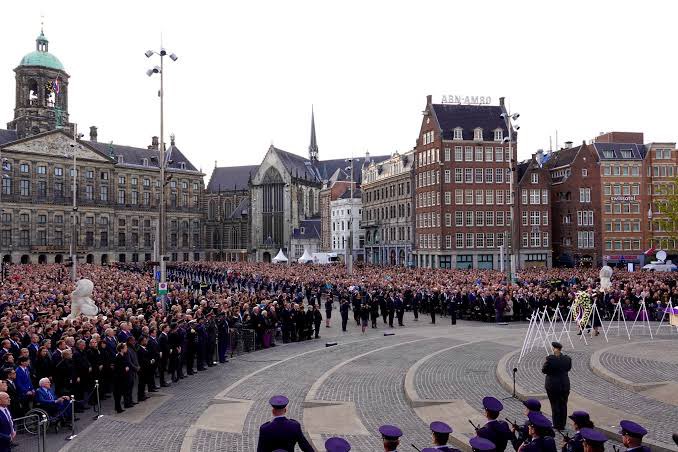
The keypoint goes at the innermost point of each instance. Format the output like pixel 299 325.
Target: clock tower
pixel 41 93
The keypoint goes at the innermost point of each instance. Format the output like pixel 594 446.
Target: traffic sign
pixel 162 288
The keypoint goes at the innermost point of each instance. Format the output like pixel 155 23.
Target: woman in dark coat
pixel 43 365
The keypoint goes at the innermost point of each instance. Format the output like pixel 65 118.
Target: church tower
pixel 41 93
pixel 313 147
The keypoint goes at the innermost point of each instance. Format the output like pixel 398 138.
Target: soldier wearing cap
pixel 632 436
pixel 521 432
pixel 479 444
pixel 594 441
pixel 281 432
pixel 440 433
pixel 495 430
pixel 539 427
pixel 580 419
pixel 390 435
pixel 557 383
pixel 336 444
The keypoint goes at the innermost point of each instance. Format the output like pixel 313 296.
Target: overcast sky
pixel 249 71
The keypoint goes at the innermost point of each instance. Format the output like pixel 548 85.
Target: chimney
pixel 428 100
pixel 568 145
pixel 501 101
pixel 367 156
pixel 154 143
pixel 93 133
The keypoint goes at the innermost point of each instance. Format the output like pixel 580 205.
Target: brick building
pixel 461 177
pixel 534 210
pixel 661 163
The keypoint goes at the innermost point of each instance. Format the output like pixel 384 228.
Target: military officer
pixel 557 383
pixel 521 431
pixel 594 440
pixel 495 430
pixel 281 432
pixel 539 425
pixel 440 433
pixel 479 444
pixel 632 436
pixel 581 420
pixel 336 444
pixel 390 435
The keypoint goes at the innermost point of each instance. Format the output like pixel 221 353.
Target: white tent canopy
pixel 305 258
pixel 280 257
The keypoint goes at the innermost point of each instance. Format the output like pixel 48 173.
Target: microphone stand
pixel 513 396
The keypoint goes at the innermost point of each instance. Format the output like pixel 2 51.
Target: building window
pixel 447 154
pixel 498 135
pixel 584 195
pixel 480 240
pixel 448 198
pixel 524 194
pixel 24 167
pixel 121 196
pixel 24 187
pixel 468 153
pixel 103 193
pixel 41 169
pixel 58 171
pixel 544 196
pixel 584 172
pixel 469 218
pixel 459 240
pixel 534 196
pixel 448 175
pixel 479 175
pixel 24 237
pixel 534 178
pixel 459 197
pixel 499 175
pixel 498 154
pixel 478 134
pixel 6 186
pixel 479 153
pixel 458 133
pixel 525 217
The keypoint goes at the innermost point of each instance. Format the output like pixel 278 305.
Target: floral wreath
pixel 582 308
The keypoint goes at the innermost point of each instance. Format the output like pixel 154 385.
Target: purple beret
pixel 539 420
pixel 492 404
pixel 336 444
pixel 632 429
pixel 440 427
pixel 478 443
pixel 592 436
pixel 390 432
pixel 532 404
pixel 279 401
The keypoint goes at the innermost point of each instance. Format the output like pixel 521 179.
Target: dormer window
pixel 182 165
pixel 302 231
pixel 498 135
pixel 120 159
pixel 626 153
pixel 608 154
pixel 478 134
pixel 457 133
pixel 144 162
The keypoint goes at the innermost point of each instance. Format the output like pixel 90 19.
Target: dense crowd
pixel 210 306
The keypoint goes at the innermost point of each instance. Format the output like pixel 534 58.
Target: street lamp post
pixel 513 251
pixel 4 166
pixel 74 229
pixel 288 188
pixel 349 251
pixel 162 53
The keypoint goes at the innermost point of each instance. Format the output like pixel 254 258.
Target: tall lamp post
pixel 74 230
pixel 288 188
pixel 513 251
pixel 349 251
pixel 4 166
pixel 162 162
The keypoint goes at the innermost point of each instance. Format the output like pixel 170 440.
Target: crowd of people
pixel 140 340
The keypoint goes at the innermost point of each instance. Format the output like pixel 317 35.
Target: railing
pixel 31 432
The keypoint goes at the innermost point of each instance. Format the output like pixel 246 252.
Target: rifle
pixel 416 448
pixel 566 438
pixel 513 423
pixel 616 449
pixel 474 425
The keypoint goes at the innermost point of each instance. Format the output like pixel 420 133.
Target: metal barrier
pixel 31 432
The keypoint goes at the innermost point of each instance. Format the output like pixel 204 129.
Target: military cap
pixel 579 416
pixel 532 404
pixel 336 444
pixel 430 449
pixel 539 420
pixel 279 401
pixel 390 432
pixel 440 427
pixel 492 404
pixel 632 429
pixel 556 344
pixel 592 436
pixel 482 444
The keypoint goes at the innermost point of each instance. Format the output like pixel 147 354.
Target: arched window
pixel 215 239
pixel 211 209
pixel 228 208
pixel 33 92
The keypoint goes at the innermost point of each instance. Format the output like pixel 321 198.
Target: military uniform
pixel 540 442
pixel 495 430
pixel 281 433
pixel 441 434
pixel 557 385
pixel 633 430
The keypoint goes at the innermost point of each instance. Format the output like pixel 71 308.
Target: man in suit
pixel 494 429
pixel 163 354
pixel 23 380
pixel 281 432
pixel 557 384
pixel 7 431
pixel 46 399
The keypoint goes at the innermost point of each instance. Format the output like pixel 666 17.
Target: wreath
pixel 582 307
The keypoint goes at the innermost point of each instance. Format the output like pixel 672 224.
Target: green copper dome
pixel 41 57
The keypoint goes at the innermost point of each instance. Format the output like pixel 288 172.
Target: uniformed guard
pixel 440 433
pixel 539 425
pixel 521 431
pixel 336 444
pixel 479 444
pixel 390 435
pixel 594 440
pixel 632 436
pixel 580 419
pixel 495 430
pixel 557 383
pixel 281 432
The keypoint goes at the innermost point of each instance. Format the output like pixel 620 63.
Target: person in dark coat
pixel 145 369
pixel 164 355
pixel 328 311
pixel 223 337
pixel 64 374
pixel 281 433
pixel 121 372
pixel 317 320
pixel 580 419
pixel 133 372
pixel 557 383
pixel 539 441
pixel 495 430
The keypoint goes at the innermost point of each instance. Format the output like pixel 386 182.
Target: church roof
pixel 135 156
pixel 307 230
pixel 7 136
pixel 231 177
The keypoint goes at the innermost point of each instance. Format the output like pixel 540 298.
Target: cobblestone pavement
pixel 643 363
pixel 367 371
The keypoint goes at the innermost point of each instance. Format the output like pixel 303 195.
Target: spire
pixel 41 43
pixel 313 147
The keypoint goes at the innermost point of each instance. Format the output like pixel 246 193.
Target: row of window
pixel 621 170
pixel 534 196
pixel 585 218
pixel 468 218
pixel 467 197
pixel 480 240
pixel 393 211
pixel 660 171
pixel 475 175
pixel 619 245
pixel 632 207
pixel 622 226
pixel 389 235
pixel 383 193
pixel 585 239
pixel 57 239
pixel 621 189
pixel 42 218
pixel 535 218
pixel 464 154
